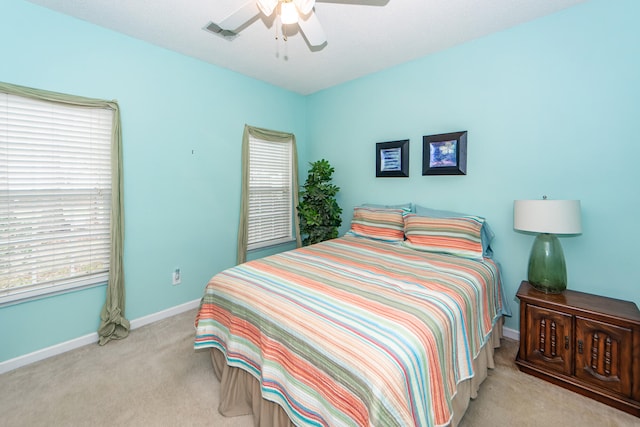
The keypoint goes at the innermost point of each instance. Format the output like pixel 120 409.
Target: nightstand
pixel 585 343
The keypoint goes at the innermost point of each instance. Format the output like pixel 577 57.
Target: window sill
pixel 270 250
pixel 270 244
pixel 27 295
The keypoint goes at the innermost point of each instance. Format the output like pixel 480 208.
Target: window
pixel 269 190
pixel 55 196
pixel 270 193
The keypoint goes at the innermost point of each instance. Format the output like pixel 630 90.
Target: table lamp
pixel 547 269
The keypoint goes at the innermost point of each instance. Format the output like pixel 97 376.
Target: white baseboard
pixel 172 311
pixel 511 333
pixel 54 350
pixel 45 353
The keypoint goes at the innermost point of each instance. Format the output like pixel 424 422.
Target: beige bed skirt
pixel 240 391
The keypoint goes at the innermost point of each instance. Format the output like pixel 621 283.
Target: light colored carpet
pixel 155 378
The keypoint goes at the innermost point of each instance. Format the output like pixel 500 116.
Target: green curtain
pixel 272 136
pixel 113 323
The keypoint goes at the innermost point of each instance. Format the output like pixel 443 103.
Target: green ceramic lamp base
pixel 547 269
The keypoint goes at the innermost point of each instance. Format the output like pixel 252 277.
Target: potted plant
pixel 318 209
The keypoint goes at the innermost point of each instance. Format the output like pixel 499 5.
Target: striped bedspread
pixel 353 331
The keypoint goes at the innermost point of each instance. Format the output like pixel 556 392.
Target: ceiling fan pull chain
pixel 286 46
pixel 277 24
pixel 279 18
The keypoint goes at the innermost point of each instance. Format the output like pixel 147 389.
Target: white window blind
pixel 270 193
pixel 55 196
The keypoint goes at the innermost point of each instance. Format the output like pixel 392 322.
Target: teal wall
pixel 181 209
pixel 551 108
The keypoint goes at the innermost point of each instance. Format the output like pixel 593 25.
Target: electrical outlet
pixel 176 278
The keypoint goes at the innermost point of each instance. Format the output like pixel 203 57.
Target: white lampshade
pixel 288 13
pixel 547 216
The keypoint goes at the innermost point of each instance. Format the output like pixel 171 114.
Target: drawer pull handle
pixel 566 343
pixel 580 346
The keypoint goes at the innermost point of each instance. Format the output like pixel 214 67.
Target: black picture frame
pixel 392 159
pixel 445 154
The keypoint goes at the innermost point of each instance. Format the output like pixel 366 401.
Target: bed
pixel 369 329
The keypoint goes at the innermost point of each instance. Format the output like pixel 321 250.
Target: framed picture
pixel 392 159
pixel 445 154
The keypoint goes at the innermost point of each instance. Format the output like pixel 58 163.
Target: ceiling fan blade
pixel 312 29
pixel 246 12
pixel 304 6
pixel 267 6
pixel 360 2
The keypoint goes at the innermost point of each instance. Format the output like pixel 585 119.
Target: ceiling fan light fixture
pixel 288 13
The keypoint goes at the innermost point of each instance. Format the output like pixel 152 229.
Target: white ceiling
pixel 363 36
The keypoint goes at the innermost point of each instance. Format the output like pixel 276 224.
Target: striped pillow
pixel 383 224
pixel 486 234
pixel 456 236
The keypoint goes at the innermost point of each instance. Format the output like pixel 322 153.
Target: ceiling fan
pixel 289 11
